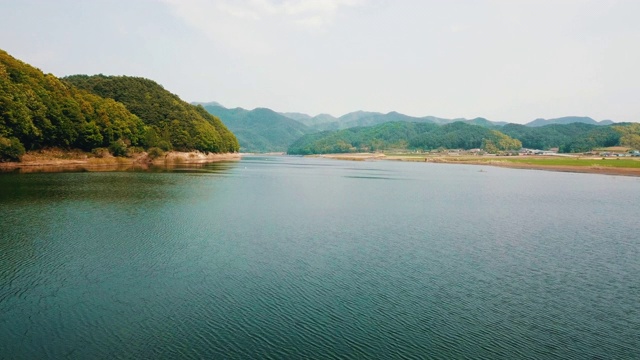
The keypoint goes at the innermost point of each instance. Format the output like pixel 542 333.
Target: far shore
pixel 56 160
pixel 577 164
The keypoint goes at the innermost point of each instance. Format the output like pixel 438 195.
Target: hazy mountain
pixel 210 103
pixel 324 118
pixel 357 115
pixel 264 130
pixel 309 120
pixel 437 120
pixel 568 120
pixel 300 117
pixel 365 118
pixel 261 129
pixel 484 122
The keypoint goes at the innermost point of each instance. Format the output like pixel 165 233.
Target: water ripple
pixel 296 258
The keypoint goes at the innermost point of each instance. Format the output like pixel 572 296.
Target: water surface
pixel 286 257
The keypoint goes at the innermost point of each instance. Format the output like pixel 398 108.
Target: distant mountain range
pixel 261 129
pixel 309 120
pixel 568 120
pixel 366 118
pixel 264 130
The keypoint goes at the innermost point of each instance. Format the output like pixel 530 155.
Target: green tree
pixel 630 140
pixel 118 148
pixel 489 146
pixel 11 149
pixel 630 135
pixel 504 142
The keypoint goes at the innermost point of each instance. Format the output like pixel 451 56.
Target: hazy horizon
pixel 512 61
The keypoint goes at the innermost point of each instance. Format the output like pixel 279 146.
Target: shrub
pixel 118 148
pixel 132 150
pixel 155 152
pixel 11 149
pixel 100 152
pixel 165 145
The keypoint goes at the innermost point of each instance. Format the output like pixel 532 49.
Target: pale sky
pixel 505 60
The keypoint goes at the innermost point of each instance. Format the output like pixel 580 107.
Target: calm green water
pixel 278 257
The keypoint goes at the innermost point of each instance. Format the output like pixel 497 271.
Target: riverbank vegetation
pixel 404 136
pixel 537 161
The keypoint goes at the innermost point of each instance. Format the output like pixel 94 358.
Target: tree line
pixel 569 138
pixel 402 136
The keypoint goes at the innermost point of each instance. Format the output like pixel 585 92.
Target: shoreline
pixel 494 161
pixel 60 161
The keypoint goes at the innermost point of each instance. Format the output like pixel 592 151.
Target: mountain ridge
pixel 568 120
pixel 323 121
pixel 260 129
pixel 171 122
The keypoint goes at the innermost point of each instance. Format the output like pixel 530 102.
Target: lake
pixel 289 257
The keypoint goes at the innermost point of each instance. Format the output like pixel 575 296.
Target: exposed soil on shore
pixel 490 161
pixel 353 156
pixel 605 170
pixel 53 160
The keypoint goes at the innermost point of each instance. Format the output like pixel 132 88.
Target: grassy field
pixel 542 161
pixel 583 164
pixel 570 161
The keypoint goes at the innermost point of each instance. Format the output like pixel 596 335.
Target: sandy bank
pixel 57 160
pixel 194 157
pixel 605 170
pixel 491 161
pixel 353 157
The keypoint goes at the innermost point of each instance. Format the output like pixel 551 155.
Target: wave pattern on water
pixel 281 257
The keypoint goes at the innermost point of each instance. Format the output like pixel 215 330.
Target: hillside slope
pixel 403 135
pixel 38 110
pixel 260 130
pixel 172 123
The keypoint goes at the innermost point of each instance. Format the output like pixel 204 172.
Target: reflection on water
pixel 90 185
pixel 120 167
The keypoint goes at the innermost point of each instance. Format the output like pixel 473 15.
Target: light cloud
pixel 312 14
pixel 500 59
pixel 257 28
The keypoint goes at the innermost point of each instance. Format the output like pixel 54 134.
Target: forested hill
pixel 38 110
pixel 404 135
pixel 171 122
pixel 260 130
pixel 574 137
